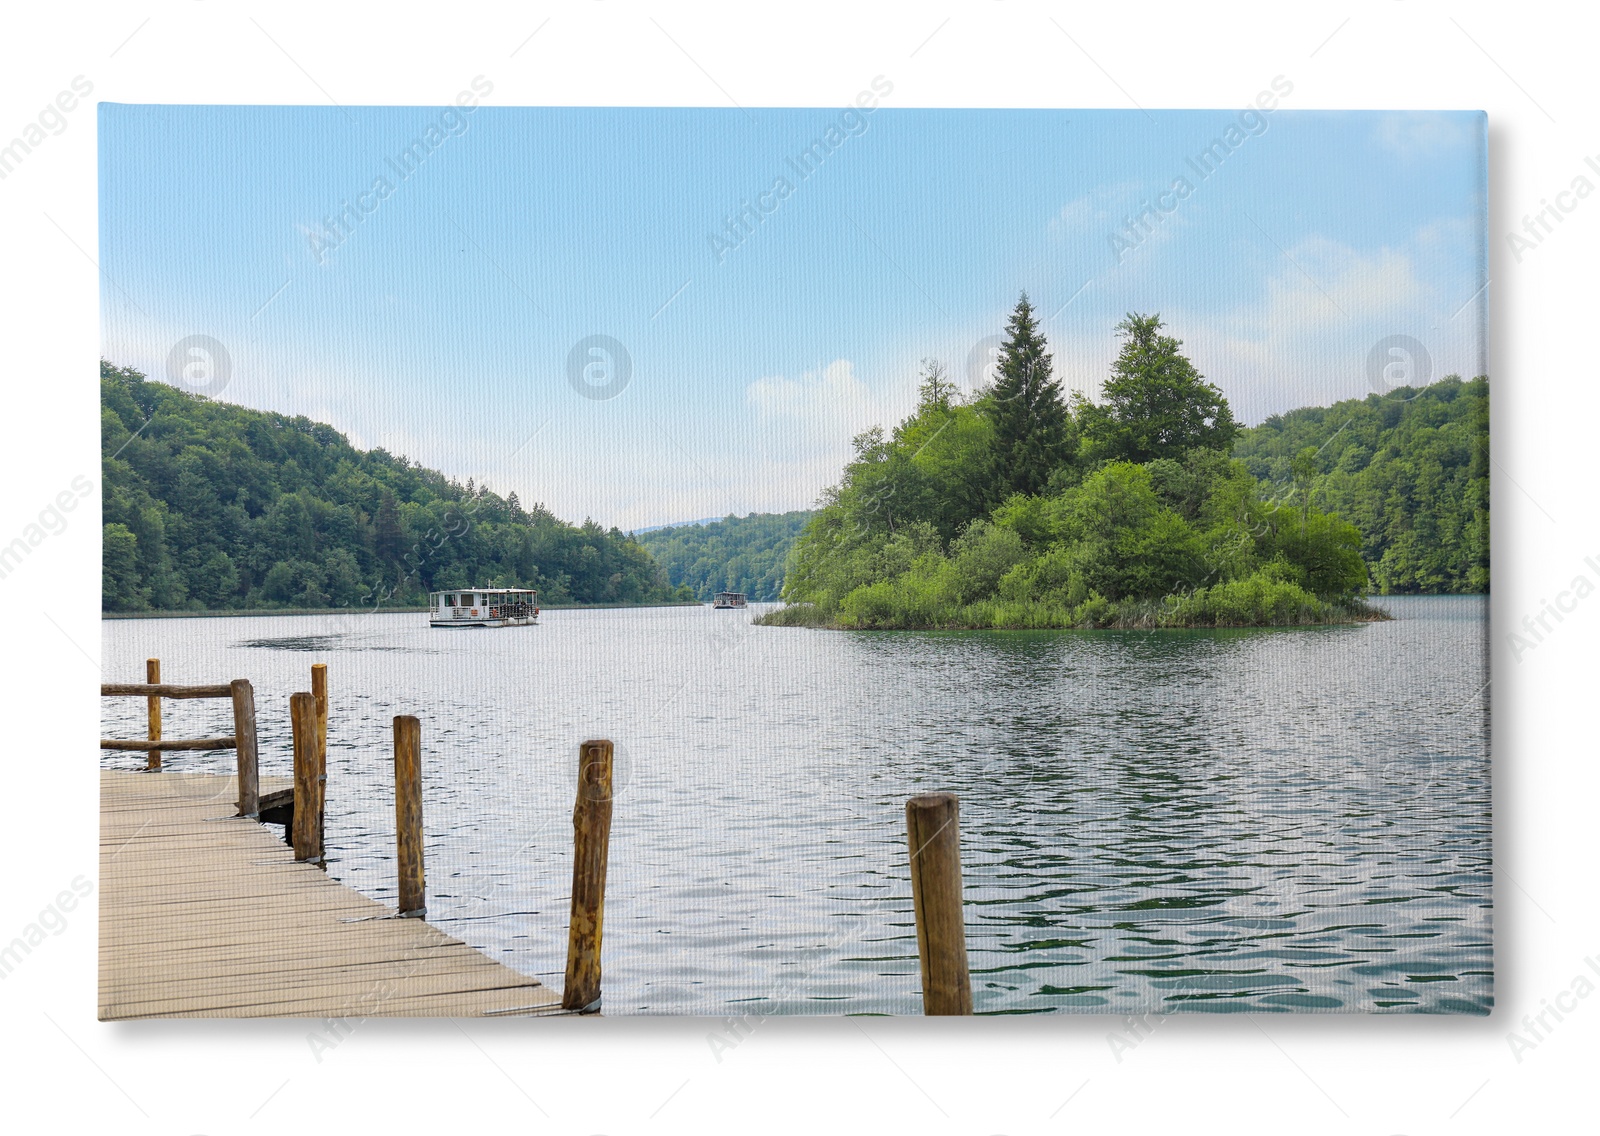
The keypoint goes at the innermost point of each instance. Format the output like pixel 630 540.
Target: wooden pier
pixel 204 913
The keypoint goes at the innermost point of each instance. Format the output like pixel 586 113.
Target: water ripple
pixel 1288 820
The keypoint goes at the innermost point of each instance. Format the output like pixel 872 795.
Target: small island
pixel 1014 508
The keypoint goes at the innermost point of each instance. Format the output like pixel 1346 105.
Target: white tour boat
pixel 729 600
pixel 483 607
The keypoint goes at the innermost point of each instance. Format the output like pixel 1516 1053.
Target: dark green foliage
pixel 1410 471
pixel 736 554
pixel 208 505
pixel 1031 429
pixel 119 568
pixel 1155 405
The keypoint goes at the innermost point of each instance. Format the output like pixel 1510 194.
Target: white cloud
pixel 832 392
pixel 828 406
pixel 1076 213
pixel 804 425
pixel 1305 338
pixel 1324 282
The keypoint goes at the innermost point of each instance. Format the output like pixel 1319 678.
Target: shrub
pixel 796 615
pixel 1260 599
pixel 982 555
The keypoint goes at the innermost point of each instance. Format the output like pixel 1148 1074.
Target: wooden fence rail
pixel 243 739
pixel 156 744
pixel 163 690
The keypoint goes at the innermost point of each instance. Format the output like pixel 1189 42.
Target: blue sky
pixel 439 324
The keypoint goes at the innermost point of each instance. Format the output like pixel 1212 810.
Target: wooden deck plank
pixel 267 977
pixel 204 914
pixel 395 980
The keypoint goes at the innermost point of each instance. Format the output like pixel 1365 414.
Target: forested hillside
pixel 1412 473
pixel 209 505
pixel 736 554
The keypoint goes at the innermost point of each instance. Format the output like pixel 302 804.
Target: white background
pixel 1529 66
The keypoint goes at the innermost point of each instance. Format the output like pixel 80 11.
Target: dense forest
pixel 1411 471
pixel 1018 508
pixel 213 506
pixel 736 554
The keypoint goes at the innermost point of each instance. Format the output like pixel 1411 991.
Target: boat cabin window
pixel 449 601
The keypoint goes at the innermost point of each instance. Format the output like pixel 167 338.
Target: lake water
pixel 1274 820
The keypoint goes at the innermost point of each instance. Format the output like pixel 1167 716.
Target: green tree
pixel 342 578
pixel 1031 425
pixel 388 537
pixel 1304 470
pixel 278 586
pixel 1323 553
pixel 1124 542
pixel 119 570
pixel 1155 405
pixel 216 582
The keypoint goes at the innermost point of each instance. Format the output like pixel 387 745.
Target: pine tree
pixel 1031 427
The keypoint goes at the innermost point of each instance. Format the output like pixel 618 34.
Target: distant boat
pixel 730 600
pixel 483 607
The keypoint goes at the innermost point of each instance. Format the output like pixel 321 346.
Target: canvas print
pixel 842 560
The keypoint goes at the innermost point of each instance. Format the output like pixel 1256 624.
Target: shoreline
pixel 1368 612
pixel 1100 627
pixel 253 612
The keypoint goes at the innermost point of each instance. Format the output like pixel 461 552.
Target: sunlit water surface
pixel 1289 820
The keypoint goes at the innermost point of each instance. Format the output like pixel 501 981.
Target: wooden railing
pixel 242 741
pixel 305 805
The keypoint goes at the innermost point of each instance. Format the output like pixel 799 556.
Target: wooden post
pixel 319 691
pixel 152 675
pixel 591 837
pixel 408 815
pixel 244 736
pixel 307 835
pixel 935 839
